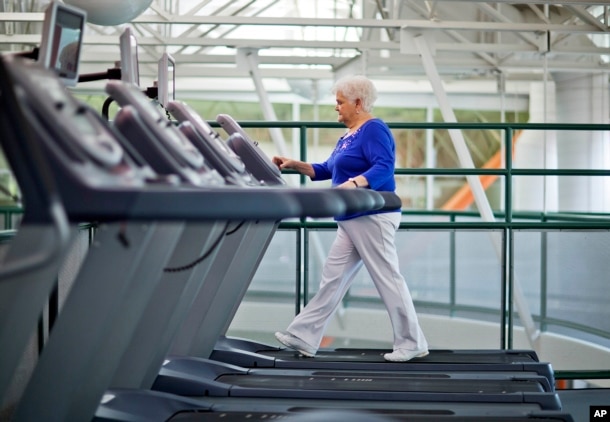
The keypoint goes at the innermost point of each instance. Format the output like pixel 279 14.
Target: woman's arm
pixel 300 166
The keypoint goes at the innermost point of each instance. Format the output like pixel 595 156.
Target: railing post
pixel 300 264
pixel 304 230
pixel 303 149
pixel 508 246
pixel 543 277
pixel 508 194
pixel 452 269
pixel 508 278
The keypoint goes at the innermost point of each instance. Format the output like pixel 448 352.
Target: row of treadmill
pixel 184 217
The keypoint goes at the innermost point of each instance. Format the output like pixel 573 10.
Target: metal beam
pixel 344 23
pixel 250 60
pixel 331 46
pixel 501 18
pixel 474 181
pixel 586 17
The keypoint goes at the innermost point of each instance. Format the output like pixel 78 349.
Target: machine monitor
pixel 130 66
pixel 62 40
pixel 166 79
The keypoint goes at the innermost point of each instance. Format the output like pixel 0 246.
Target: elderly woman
pixel 364 157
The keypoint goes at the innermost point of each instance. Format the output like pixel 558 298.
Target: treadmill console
pixel 129 95
pixel 80 136
pixel 185 113
pixel 157 139
pixel 257 162
pixel 215 157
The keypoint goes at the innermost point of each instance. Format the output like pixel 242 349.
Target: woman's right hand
pixel 302 167
pixel 283 162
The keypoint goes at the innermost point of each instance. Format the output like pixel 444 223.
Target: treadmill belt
pixel 320 417
pixel 251 354
pixel 435 356
pixel 362 382
pixel 315 415
pixel 372 360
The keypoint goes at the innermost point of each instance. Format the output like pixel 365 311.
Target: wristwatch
pixel 351 179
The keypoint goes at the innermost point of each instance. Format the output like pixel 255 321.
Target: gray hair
pixel 357 86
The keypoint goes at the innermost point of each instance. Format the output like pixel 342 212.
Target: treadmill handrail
pixel 38 188
pixel 40 258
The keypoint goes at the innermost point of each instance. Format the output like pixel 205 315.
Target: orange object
pixel 464 197
pixel 327 341
pixel 562 384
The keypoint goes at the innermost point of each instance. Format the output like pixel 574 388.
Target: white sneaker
pixel 295 343
pixel 403 355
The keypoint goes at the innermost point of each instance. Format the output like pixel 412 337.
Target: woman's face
pixel 346 109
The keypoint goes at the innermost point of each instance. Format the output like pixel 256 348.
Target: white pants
pixel 369 240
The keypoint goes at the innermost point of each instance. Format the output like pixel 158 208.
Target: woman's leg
pixel 342 264
pixel 374 238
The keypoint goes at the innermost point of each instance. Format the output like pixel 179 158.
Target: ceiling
pixel 222 46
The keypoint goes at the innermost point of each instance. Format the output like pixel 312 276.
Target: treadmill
pixel 93 150
pixel 70 399
pixel 29 268
pixel 248 353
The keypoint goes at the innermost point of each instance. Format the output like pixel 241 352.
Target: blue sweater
pixel 371 152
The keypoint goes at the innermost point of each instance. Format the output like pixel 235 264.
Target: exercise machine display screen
pixel 62 40
pixel 166 79
pixel 130 65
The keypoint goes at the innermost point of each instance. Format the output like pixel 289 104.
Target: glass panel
pixel 277 271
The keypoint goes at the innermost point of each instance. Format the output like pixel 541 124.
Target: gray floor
pixel 577 402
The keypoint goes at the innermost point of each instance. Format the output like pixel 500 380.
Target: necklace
pixel 347 139
pixel 358 125
pixel 350 133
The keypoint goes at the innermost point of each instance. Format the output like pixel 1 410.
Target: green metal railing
pixel 9 212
